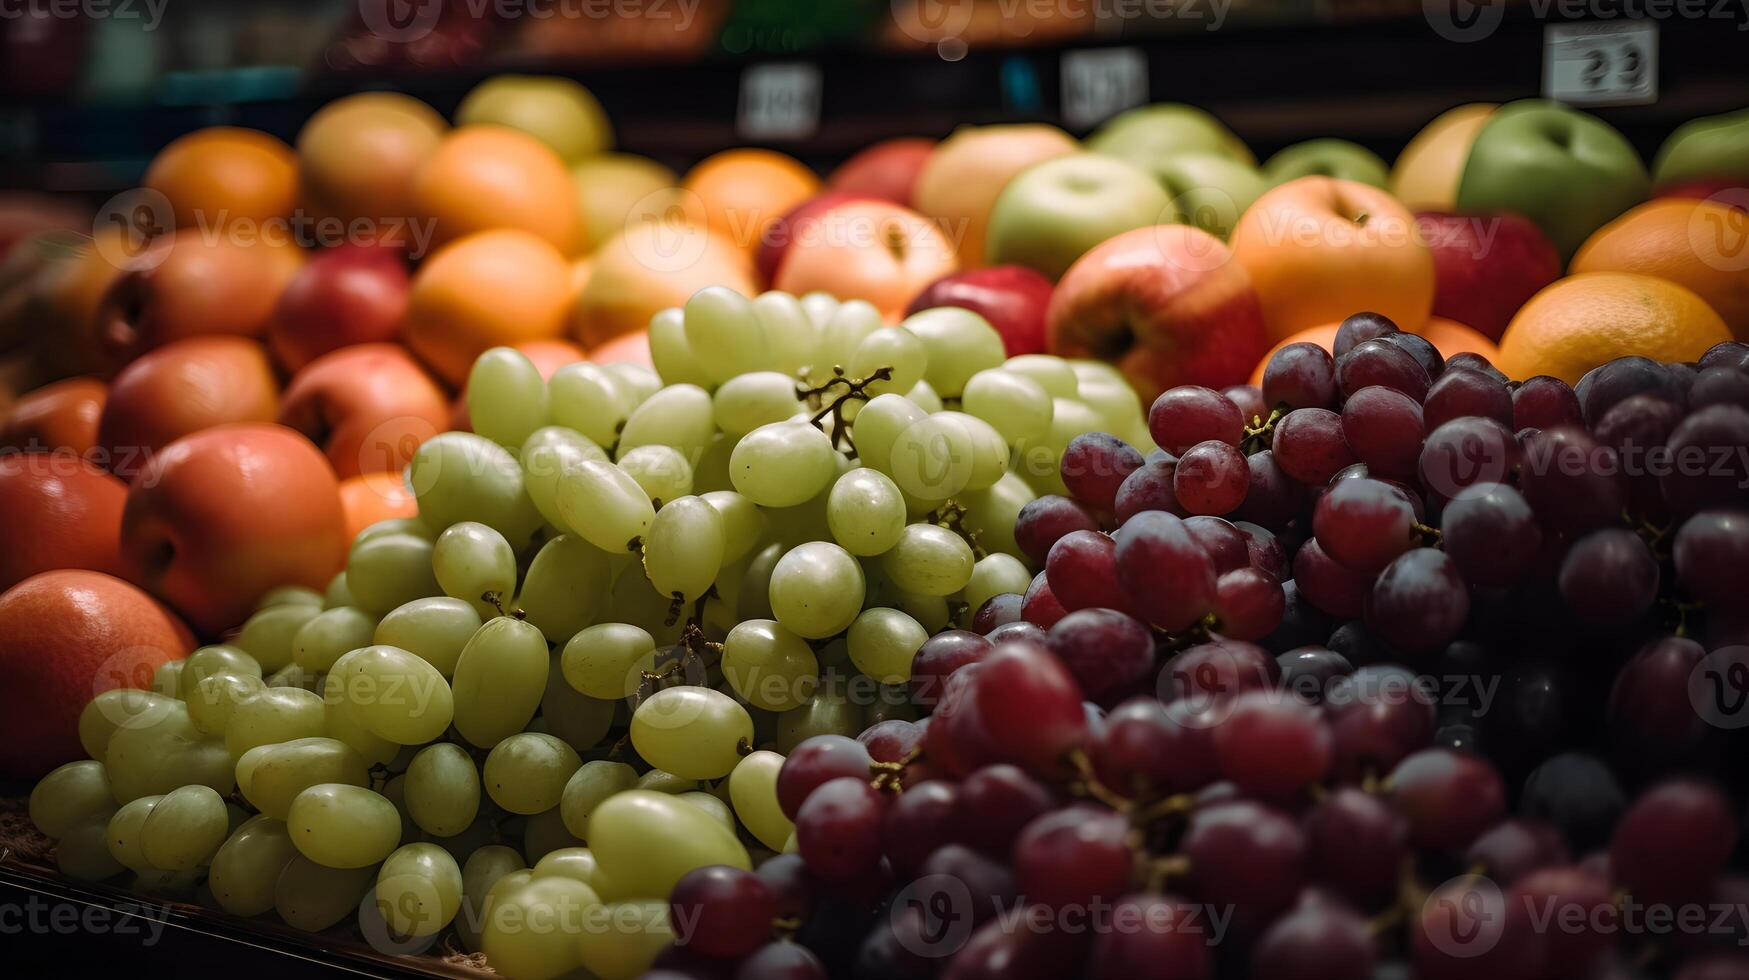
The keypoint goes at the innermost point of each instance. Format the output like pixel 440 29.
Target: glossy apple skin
pixel 1166 305
pixel 870 250
pixel 368 406
pixel 799 224
pixel 887 170
pixel 1013 298
pixel 59 416
pixel 182 388
pixel 218 518
pixel 64 512
pixel 195 283
pixel 1486 266
pixel 350 294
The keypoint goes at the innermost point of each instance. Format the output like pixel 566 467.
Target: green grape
pixel 597 780
pixel 153 759
pixel 338 825
pixel 828 712
pixel 989 451
pixel 589 399
pixel 389 571
pixel 994 575
pixel 442 790
pixel 396 525
pixel 896 348
pixel 507 398
pixel 434 629
pixel 711 805
pixel 167 678
pixel 565 588
pixel 578 719
pixel 925 397
pixel 684 549
pixel 546 456
pixel 663 781
pixel 637 381
pixel 839 337
pixel 338 594
pixel 991 512
pixel 267 635
pixel 959 343
pixel 878 427
pixel 865 511
pixel 526 773
pixel 680 416
pixel 321 641
pixel 753 791
pixel 819 306
pixel 634 600
pixel 185 828
pixel 882 643
pixel 816 589
pixel 933 458
pixel 219 658
pixel 755 590
pixel 929 560
pixel 82 853
pixel 663 473
pixel 545 833
pixel 289 595
pixel 122 707
pixel 248 865
pixel 692 732
pixel 711 471
pixel 791 338
pixel 1018 406
pixel 1052 373
pixel 271 776
pixel 276 714
pixel 215 699
pixel 340 723
pixel 481 869
pixel 460 476
pixel 1041 462
pixel 621 940
pixel 748 401
pixel 670 352
pixel 531 926
pixel 123 834
pixel 311 896
pixel 770 666
pixel 291 675
pixel 783 464
pixel 418 890
pixel 605 505
pixel 71 794
pixel 576 863
pixel 724 333
pixel 607 660
pixel 645 842
pixel 743 524
pixel 475 563
pixel 499 680
pixel 807 521
pixel 394 694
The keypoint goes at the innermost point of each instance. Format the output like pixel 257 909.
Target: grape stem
pixel 1427 536
pixel 1260 432
pixel 952 516
pixel 853 388
pixel 496 601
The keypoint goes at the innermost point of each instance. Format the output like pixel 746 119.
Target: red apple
pixel 869 250
pixel 887 170
pixel 800 223
pixel 192 283
pixel 218 518
pixel 180 388
pixel 64 513
pixel 1166 305
pixel 368 406
pixel 62 415
pixel 1013 298
pixel 1486 266
pixel 352 294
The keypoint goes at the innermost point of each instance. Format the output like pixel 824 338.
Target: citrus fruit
pixel 1585 320
pixel 1700 244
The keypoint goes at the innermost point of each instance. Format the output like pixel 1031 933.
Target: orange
pixel 359 155
pixel 1320 248
pixel 744 190
pixel 1700 244
pixel 371 497
pixel 1589 319
pixel 485 177
pixel 490 288
pixel 223 174
pixel 1449 336
pixel 550 355
pixel 627 348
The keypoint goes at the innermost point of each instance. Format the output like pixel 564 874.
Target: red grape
pixel 1167 576
pixel 1148 488
pixel 1515 847
pixel 920 819
pixel 729 911
pixel 1650 712
pixel 1044 520
pixel 1263 549
pixel 1300 376
pixel 995 802
pixel 1378 715
pixel 1358 329
pixel 1421 349
pixel 1356 843
pixel 817 761
pixel 1609 578
pixel 1272 499
pixel 1188 414
pixel 1363 524
pixel 1419 603
pixel 1460 393
pixel 1226 547
pixel 1211 478
pixel 1491 534
pixel 1673 841
pixel 1172 943
pixel 1328 585
pixel 939 657
pixel 1248 604
pixel 1464 452
pixel 1030 706
pixel 1580 905
pixel 891 740
pixel 838 829
pixel 1073 857
pixel 1544 403
pixel 1040 605
pixel 1309 445
pixel 1380 362
pixel 1148 749
pixel 1273 746
pixel 1245 856
pixel 1248 399
pixel 1094 465
pixel 1316 942
pixel 1083 573
pixel 1448 797
pixel 1712 556
pixel 1384 428
pixel 998 610
pixel 1106 651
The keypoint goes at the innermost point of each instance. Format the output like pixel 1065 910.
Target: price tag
pixel 1102 82
pixel 779 101
pixel 1613 63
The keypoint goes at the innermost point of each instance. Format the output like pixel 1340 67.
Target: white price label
pixel 1102 82
pixel 1613 63
pixel 779 101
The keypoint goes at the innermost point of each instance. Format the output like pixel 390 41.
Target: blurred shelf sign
pixel 1100 83
pixel 779 101
pixel 1601 63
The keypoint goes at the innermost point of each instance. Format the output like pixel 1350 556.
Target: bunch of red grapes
pixel 1391 668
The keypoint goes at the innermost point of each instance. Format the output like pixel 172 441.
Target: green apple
pixel 1327 158
pixel 1565 170
pixel 1208 190
pixel 1706 148
pixel 1151 132
pixel 1054 211
pixel 556 111
pixel 609 185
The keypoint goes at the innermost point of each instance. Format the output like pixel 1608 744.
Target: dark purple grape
pixel 1465 452
pixel 1384 428
pixel 1016 631
pixel 1245 856
pixel 1491 535
pixel 1148 749
pixel 955 872
pixel 1166 575
pixel 1466 929
pixel 1651 713
pixel 1263 550
pixel 1545 403
pixel 1329 585
pixel 1300 376
pixel 998 610
pixel 1084 573
pixel 1210 675
pixel 939 657
pixel 1419 602
pixel 1378 715
pixel 1719 386
pixel 1307 672
pixel 1363 524
pixel 1272 498
pixel 1030 707
pixel 1712 556
pixel 728 910
pixel 1578 795
pixel 1673 842
pixel 791 885
pixel 1515 847
pixel 1309 445
pixel 1040 606
pixel 1731 353
pixel 1272 746
pixel 1609 578
pixel 1356 843
pixel 1460 393
pixel 1211 478
pixel 1173 941
pixel 1448 797
pixel 1104 649
pixel 1249 604
pixel 1579 902
pixel 1472 361
pixel 1046 519
pixel 1316 942
pixel 1095 464
pixel 1148 488
pixel 1248 399
pixel 1360 328
pixel 1225 545
pixel 1571 480
pixel 1073 857
pixel 838 829
pixel 1188 414
pixel 1421 349
pixel 815 762
pixel 1380 362
pixel 779 961
pixel 891 740
pixel 898 948
pixel 1708 461
pixel 995 802
pixel 920 820
pixel 1606 384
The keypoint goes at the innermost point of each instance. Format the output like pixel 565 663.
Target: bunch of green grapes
pixel 573 678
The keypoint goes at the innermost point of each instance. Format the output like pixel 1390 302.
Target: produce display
pixel 1009 557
